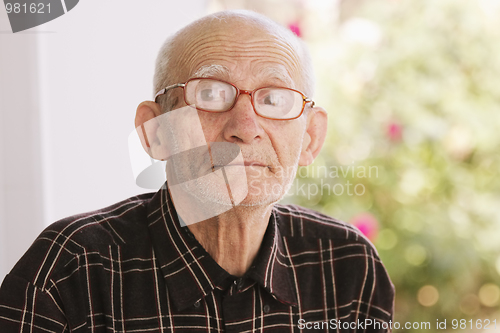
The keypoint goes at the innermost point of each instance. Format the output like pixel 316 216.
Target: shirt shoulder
pixel 110 225
pixel 331 255
pixel 62 245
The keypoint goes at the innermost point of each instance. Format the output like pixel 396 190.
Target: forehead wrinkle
pixel 292 70
pixel 243 47
pixel 198 49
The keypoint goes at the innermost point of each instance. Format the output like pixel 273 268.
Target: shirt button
pixel 240 284
pixel 267 308
pixel 197 304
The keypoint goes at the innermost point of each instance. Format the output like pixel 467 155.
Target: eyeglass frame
pixel 239 91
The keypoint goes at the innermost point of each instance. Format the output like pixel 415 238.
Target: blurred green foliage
pixel 412 89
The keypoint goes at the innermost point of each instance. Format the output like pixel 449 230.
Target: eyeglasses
pixel 212 95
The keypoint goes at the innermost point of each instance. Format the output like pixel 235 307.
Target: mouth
pixel 246 164
pixel 250 163
pixel 255 163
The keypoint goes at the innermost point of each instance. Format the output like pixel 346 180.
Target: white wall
pixel 68 94
pixel 20 161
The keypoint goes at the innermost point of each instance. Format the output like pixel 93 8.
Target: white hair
pixel 166 75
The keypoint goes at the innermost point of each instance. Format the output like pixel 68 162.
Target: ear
pixel 147 127
pixel 315 135
pixel 146 111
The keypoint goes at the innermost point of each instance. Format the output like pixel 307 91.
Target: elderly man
pixel 211 251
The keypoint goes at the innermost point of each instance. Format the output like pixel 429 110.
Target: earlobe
pixel 147 126
pixel 315 135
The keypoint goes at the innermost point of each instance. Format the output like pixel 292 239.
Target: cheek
pixel 212 124
pixel 287 137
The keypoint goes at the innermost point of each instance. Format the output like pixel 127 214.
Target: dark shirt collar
pixel 190 273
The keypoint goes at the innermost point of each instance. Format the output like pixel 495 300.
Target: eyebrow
pixel 275 73
pixel 222 71
pixel 212 70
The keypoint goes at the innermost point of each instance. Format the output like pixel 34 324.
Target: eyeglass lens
pixel 217 96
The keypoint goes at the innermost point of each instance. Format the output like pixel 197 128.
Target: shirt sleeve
pixel 380 298
pixel 26 308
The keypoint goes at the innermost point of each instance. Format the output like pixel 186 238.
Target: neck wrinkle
pixel 233 239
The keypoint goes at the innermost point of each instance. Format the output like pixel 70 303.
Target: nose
pixel 243 124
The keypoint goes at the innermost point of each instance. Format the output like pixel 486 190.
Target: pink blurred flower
pixel 295 28
pixel 367 224
pixel 394 131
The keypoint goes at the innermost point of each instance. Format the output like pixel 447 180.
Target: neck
pixel 233 238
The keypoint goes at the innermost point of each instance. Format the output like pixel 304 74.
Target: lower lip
pixel 240 165
pixel 255 164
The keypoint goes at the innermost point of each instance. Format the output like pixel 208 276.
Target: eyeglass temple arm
pixel 307 100
pixel 164 90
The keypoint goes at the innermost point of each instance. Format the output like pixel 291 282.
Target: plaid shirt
pixel 132 268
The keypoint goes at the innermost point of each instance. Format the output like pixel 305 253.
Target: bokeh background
pixel 412 158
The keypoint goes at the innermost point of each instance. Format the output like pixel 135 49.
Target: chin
pixel 258 202
pixel 263 193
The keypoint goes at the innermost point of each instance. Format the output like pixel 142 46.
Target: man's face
pixel 251 58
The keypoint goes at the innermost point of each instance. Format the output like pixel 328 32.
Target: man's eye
pixel 273 100
pixel 207 94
